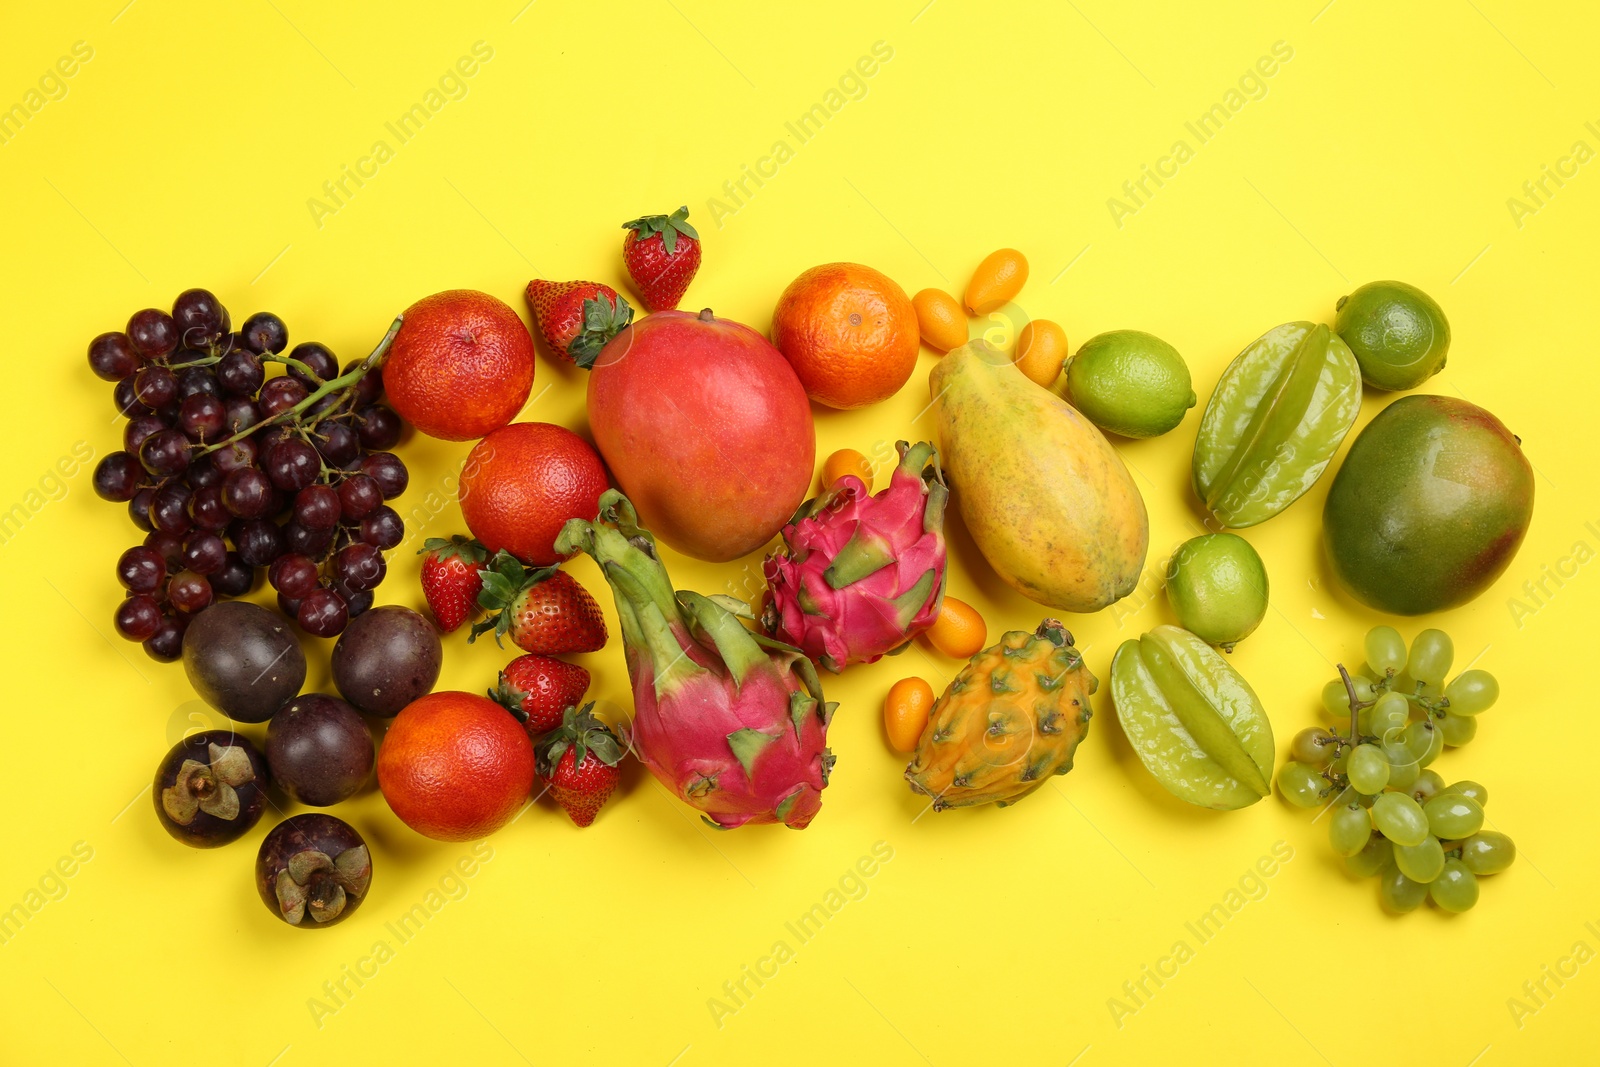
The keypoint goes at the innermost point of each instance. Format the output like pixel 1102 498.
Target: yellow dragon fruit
pixel 1012 718
pixel 862 574
pixel 731 722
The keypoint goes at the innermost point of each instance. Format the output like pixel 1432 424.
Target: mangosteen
pixel 319 749
pixel 313 870
pixel 385 659
pixel 211 788
pixel 243 659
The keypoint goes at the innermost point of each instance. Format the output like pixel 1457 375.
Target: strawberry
pixel 450 578
pixel 544 610
pixel 537 689
pixel 661 252
pixel 578 318
pixel 578 761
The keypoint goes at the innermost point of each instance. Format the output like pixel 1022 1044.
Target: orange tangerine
pixel 849 332
pixel 1041 350
pixel 905 712
pixel 843 462
pixel 940 320
pixel 997 281
pixel 959 631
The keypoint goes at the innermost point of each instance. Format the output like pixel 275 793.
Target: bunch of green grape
pixel 1390 815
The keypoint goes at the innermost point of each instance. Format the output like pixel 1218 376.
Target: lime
pixel 1398 333
pixel 1218 586
pixel 1129 383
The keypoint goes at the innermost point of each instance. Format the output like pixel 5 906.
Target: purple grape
pixel 321 361
pixel 360 566
pixel 169 509
pixel 379 428
pixel 369 388
pixel 138 617
pixel 205 553
pixel 236 455
pixel 234 579
pixel 112 357
pixel 152 333
pixel 359 496
pixel 280 395
pixel 203 418
pixel 189 592
pixel 258 541
pixel 117 477
pixel 293 574
pixel 240 413
pixel 307 540
pixel 126 400
pixel 292 465
pixel 389 471
pixel 247 493
pixel 155 387
pixel 383 528
pixel 139 504
pixel 200 318
pixel 194 381
pixel 166 644
pixel 169 546
pixel 317 507
pixel 264 332
pixel 240 373
pixel 141 569
pixel 322 613
pixel 336 443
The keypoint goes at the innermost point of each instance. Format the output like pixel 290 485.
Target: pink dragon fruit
pixel 863 574
pixel 730 721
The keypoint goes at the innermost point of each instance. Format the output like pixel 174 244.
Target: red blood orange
pixel 461 365
pixel 455 766
pixel 523 482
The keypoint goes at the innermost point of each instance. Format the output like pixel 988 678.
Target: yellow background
pixel 185 152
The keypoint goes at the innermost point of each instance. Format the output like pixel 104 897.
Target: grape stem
pixel 1355 705
pixel 344 381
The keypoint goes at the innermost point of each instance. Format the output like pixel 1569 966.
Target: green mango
pixel 1277 416
pixel 1195 722
pixel 1429 507
pixel 1050 504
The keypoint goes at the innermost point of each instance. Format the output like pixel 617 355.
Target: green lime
pixel 1218 586
pixel 1129 383
pixel 1398 333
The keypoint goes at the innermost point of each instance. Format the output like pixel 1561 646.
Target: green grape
pixel 1391 712
pixel 1368 770
pixel 1428 785
pixel 1453 816
pixel 1457 730
pixel 1300 785
pixel 1386 650
pixel 1431 653
pixel 1341 761
pixel 1403 767
pixel 1488 852
pixel 1364 688
pixel 1373 857
pixel 1455 888
pixel 1424 741
pixel 1336 702
pixel 1420 863
pixel 1349 829
pixel 1313 746
pixel 1471 692
pixel 1468 788
pixel 1397 893
pixel 1400 819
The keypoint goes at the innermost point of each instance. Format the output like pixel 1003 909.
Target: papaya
pixel 1049 503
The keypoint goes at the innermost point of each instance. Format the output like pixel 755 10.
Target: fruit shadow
pixel 1144 783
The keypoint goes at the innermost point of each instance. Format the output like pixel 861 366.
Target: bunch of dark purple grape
pixel 229 470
